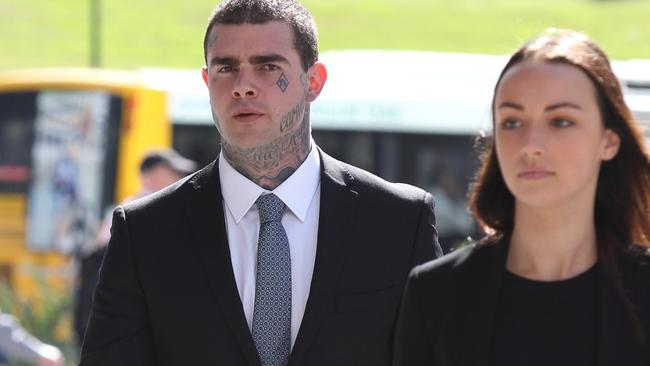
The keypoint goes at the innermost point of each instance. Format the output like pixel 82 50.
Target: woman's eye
pixel 561 122
pixel 510 124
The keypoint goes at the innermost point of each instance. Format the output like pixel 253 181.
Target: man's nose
pixel 244 87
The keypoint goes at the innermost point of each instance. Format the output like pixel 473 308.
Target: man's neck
pixel 270 165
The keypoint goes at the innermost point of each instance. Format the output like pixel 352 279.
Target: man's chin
pixel 249 143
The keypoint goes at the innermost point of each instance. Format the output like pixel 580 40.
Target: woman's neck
pixel 552 244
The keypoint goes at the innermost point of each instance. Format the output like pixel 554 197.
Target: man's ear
pixel 612 144
pixel 316 78
pixel 204 73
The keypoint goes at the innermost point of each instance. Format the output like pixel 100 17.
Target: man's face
pixel 158 177
pixel 258 89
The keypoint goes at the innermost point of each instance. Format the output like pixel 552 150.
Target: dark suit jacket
pixel 449 305
pixel 167 293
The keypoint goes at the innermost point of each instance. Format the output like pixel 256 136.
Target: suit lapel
pixel 335 227
pixel 205 215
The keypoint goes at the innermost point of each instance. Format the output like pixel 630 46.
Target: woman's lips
pixel 535 174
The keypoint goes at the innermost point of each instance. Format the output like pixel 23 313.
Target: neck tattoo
pixel 270 165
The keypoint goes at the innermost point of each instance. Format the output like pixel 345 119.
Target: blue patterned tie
pixel 272 314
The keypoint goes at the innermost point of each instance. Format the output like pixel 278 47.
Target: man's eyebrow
pixel 229 61
pixel 262 59
pixel 510 105
pixel 561 105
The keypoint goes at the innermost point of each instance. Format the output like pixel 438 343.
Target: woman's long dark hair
pixel 622 207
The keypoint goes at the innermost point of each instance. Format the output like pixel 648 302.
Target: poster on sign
pixel 68 169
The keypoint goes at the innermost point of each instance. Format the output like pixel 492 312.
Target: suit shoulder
pixel 168 198
pixel 167 194
pixel 369 182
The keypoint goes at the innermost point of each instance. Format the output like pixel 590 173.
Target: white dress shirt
pixel 301 194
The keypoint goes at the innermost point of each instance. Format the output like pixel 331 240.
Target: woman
pixel 563 276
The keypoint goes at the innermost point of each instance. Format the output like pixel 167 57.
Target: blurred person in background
pixel 17 345
pixel 563 276
pixel 158 169
pixel 275 253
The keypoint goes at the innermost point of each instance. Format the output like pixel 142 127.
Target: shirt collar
pixel 297 192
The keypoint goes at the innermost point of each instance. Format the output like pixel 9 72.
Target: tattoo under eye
pixel 282 82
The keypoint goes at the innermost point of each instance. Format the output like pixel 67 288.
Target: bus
pixel 71 139
pixel 70 144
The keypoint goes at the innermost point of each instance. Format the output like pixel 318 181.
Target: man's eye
pixel 224 69
pixel 270 67
pixel 510 124
pixel 561 122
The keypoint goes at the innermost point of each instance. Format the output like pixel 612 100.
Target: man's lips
pixel 247 116
pixel 535 174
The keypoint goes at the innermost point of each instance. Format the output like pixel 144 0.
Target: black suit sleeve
pixel 412 340
pixel 118 331
pixel 411 347
pixel 426 246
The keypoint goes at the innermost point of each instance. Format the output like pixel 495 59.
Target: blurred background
pixel 87 87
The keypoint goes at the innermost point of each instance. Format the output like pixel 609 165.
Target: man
pixel 203 273
pixel 158 169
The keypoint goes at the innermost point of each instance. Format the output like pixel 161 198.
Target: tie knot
pixel 270 207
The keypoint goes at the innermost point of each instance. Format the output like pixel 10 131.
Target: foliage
pixel 169 33
pixel 48 318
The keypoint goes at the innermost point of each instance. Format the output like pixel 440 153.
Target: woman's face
pixel 549 134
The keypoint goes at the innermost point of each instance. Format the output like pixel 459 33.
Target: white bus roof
pixel 401 91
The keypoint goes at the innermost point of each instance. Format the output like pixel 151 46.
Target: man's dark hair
pixel 170 158
pixel 305 38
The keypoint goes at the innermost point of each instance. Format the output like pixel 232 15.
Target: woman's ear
pixel 612 144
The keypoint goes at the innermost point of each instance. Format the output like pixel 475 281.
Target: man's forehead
pixel 273 34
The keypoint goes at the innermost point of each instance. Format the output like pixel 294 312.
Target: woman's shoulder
pixel 469 260
pixel 635 268
pixel 636 263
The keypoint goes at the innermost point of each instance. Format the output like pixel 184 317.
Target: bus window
pixel 16 139
pixel 441 164
pixel 197 142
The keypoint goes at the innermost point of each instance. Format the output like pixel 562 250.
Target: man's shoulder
pixel 173 196
pixel 366 182
pixel 154 201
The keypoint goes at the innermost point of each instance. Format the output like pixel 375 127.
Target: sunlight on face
pixel 549 134
pixel 256 82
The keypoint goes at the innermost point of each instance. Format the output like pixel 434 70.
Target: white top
pixel 301 194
